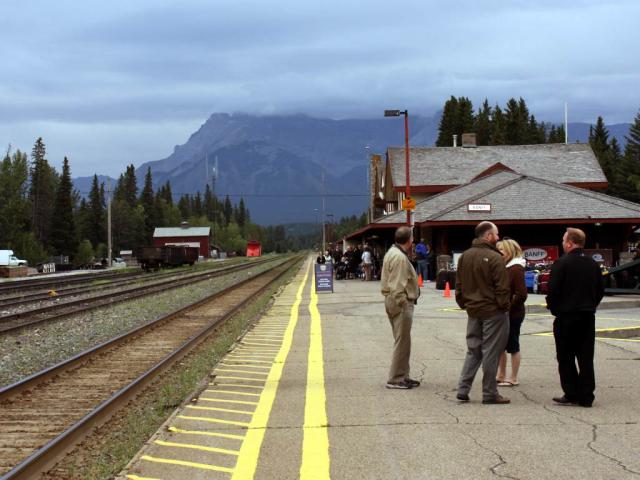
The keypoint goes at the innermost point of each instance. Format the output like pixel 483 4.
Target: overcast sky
pixel 112 83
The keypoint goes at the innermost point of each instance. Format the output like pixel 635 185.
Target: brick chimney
pixel 469 140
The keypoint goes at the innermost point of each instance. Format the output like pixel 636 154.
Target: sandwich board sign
pixel 324 277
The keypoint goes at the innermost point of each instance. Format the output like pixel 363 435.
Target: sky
pixel 113 83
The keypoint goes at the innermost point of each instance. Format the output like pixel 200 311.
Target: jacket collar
pixel 401 249
pixel 480 243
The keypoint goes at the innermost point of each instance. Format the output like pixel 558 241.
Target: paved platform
pixel 302 396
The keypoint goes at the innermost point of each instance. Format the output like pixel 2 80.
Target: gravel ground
pixel 33 349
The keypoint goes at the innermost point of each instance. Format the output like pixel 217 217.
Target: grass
pixel 112 446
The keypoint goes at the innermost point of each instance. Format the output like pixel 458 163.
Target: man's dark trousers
pixel 575 335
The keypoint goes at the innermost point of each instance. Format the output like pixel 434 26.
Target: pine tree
pixel 97 233
pixel 147 200
pixel 14 204
pixel 241 216
pixel 599 141
pixel 464 118
pixel 482 125
pixel 630 164
pixel 197 205
pixel 516 122
pixel 447 127
pixel 209 204
pixel 41 192
pixel 184 205
pixel 64 239
pixel 497 127
pixel 227 210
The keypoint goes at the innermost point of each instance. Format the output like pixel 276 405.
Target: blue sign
pixel 324 277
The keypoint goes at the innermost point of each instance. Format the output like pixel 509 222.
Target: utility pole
pixel 109 243
pixel 323 206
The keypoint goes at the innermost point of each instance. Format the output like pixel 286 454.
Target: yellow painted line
pixel 619 339
pixel 614 328
pixel 234 385
pixel 137 477
pixel 248 360
pixel 259 335
pixel 201 466
pixel 232 392
pixel 315 441
pixel 599 330
pixel 243 364
pixel 226 400
pixel 207 434
pixel 233 370
pixel 255 349
pixel 214 420
pixel 273 344
pixel 218 409
pixel 250 450
pixel 241 378
pixel 196 447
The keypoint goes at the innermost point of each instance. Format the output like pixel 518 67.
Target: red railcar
pixel 254 248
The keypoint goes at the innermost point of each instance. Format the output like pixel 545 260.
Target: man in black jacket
pixel 575 290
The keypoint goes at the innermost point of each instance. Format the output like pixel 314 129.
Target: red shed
pixel 254 248
pixel 184 235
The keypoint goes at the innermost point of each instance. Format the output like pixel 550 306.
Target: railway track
pixel 46 414
pixel 52 282
pixel 23 318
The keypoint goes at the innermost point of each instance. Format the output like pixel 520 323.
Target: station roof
pixel 573 164
pixel 518 198
pixel 164 232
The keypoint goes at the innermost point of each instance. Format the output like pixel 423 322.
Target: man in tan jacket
pixel 399 285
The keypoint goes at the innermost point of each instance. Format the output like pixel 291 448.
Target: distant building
pixel 184 235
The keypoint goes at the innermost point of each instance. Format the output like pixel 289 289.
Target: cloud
pixel 116 71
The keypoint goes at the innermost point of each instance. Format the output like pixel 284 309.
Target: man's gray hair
pixel 402 236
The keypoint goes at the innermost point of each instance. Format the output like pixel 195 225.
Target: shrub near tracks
pixel 126 361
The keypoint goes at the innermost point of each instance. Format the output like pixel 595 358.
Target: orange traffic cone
pixel 420 281
pixel 447 290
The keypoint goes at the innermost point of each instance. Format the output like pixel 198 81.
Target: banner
pixel 543 254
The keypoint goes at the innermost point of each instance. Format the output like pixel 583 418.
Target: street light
pixel 397 113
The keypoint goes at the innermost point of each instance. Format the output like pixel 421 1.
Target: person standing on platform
pixel 320 258
pixel 514 258
pixel 367 263
pixel 482 289
pixel 575 291
pixel 399 285
pixel 422 259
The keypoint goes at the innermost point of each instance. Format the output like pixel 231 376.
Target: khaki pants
pixel 401 328
pixel 367 267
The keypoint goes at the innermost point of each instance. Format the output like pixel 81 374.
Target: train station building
pixel 532 192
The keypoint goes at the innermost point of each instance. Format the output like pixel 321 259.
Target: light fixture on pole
pixel 408 204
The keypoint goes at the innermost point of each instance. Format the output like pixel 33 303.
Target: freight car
pixel 254 248
pixel 167 256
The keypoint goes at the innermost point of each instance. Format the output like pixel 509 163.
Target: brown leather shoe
pixel 498 400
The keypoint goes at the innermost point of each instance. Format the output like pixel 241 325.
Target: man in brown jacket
pixel 399 285
pixel 482 289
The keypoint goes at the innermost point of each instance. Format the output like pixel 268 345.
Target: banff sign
pixel 540 254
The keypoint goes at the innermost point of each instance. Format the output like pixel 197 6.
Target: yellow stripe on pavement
pixel 137 477
pixel 206 434
pixel 218 409
pixel 250 450
pixel 234 393
pixel 201 466
pixel 196 447
pixel 225 400
pixel 214 420
pixel 315 443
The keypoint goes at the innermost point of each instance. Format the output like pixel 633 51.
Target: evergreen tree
pixel 516 122
pixel 497 127
pixel 63 231
pixel 464 118
pixel 482 125
pixel 227 210
pixel 96 210
pixel 197 205
pixel 447 127
pixel 599 141
pixel 184 205
pixel 41 192
pixel 630 164
pixel 147 200
pixel 14 204
pixel 241 217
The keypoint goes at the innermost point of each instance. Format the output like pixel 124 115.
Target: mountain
pixel 83 184
pixel 281 165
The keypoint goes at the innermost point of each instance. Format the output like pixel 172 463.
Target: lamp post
pixel 317 223
pixel 397 113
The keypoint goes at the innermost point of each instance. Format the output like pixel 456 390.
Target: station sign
pixel 408 203
pixel 324 277
pixel 479 207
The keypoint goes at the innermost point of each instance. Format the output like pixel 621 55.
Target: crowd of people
pixel 490 287
pixel 354 262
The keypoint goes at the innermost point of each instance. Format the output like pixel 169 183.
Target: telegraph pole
pixel 109 245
